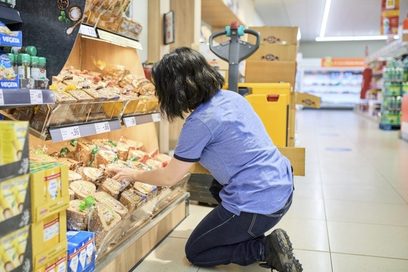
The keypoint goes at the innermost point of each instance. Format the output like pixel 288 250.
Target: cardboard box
pixel 51 178
pixel 271 72
pixel 14 204
pixel 275 52
pixel 49 239
pixel 81 251
pixel 15 251
pixel 276 35
pixel 14 149
pixel 57 264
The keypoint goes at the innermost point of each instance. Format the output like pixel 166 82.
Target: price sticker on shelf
pixel 70 133
pixel 130 121
pixel 88 30
pixel 156 117
pixel 36 97
pixel 102 127
pixel 1 97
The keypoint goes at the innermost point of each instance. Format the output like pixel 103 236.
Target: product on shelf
pixel 81 251
pixel 13 140
pixel 13 196
pixel 103 220
pixel 108 200
pixel 132 199
pixel 13 247
pixel 78 213
pixel 82 189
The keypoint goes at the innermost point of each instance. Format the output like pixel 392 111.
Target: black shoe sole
pixel 282 245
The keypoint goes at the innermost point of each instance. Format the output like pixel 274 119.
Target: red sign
pixel 390 12
pixel 342 62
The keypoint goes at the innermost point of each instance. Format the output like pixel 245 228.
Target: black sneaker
pixel 279 253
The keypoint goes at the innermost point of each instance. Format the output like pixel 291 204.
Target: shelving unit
pixel 217 14
pixel 393 50
pixel 25 97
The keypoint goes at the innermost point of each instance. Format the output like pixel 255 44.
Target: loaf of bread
pixel 91 174
pixel 108 200
pixel 163 158
pixel 77 219
pixel 138 155
pixel 82 188
pixel 70 163
pixel 103 220
pixel 114 187
pixel 73 176
pixel 123 150
pixel 144 189
pixel 104 157
pixel 83 152
pixel 118 164
pixel 71 194
pixel 132 199
pixel 133 145
pixel 154 164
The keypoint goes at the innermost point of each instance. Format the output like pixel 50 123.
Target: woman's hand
pixel 127 174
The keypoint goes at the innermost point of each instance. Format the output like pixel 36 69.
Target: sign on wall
pixel 390 11
pixel 342 62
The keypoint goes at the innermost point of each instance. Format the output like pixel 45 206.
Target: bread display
pixel 78 215
pixel 132 199
pixel 82 188
pixel 103 220
pixel 108 200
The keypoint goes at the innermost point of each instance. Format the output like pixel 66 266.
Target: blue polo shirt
pixel 227 137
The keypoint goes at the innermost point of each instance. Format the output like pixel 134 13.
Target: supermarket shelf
pixel 392 50
pixel 131 121
pixel 95 33
pixel 9 16
pixel 25 97
pixel 217 14
pixel 59 134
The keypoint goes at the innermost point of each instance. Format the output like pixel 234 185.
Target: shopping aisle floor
pixel 350 212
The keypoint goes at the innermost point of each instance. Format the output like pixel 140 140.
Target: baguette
pixel 115 205
pixel 82 188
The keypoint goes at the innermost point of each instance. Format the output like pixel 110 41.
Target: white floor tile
pixel 169 256
pixel 354 263
pixel 313 261
pixel 367 213
pixel 365 239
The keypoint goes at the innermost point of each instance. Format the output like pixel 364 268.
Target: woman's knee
pixel 191 253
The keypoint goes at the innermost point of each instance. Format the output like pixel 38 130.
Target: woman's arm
pixel 167 176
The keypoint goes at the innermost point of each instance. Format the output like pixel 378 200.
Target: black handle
pixel 257 36
pixel 212 47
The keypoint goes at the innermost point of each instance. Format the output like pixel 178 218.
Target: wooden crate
pixel 275 52
pixel 276 35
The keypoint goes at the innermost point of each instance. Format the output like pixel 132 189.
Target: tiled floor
pixel 350 212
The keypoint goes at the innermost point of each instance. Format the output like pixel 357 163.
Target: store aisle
pixel 350 213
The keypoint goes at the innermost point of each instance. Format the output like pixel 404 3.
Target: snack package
pixel 108 200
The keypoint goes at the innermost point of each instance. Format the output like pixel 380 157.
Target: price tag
pixel 130 122
pixel 88 30
pixel 102 127
pixel 36 97
pixel 70 133
pixel 156 117
pixel 1 97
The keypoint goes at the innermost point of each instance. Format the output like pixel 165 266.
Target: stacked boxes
pixel 50 198
pixel 275 60
pixel 15 215
pixel 81 251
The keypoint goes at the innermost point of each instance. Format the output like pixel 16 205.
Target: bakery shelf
pixel 131 121
pixel 25 97
pixel 91 32
pixel 217 14
pixel 394 49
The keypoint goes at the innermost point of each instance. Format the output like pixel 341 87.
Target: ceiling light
pixel 353 38
pixel 326 11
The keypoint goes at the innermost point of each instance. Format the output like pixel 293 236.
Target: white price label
pixel 1 97
pixel 36 97
pixel 156 117
pixel 130 121
pixel 70 133
pixel 88 30
pixel 51 230
pixel 102 127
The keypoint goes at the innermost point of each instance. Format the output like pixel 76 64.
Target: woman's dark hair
pixel 183 81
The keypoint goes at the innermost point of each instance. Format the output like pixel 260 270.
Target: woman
pixel 226 136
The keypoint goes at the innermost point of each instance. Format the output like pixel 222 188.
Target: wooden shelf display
pixel 217 14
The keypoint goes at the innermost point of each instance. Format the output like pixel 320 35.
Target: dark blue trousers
pixel 223 237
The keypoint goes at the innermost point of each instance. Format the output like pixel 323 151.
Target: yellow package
pixel 12 140
pixel 9 255
pixel 8 199
pixel 20 243
pixel 20 191
pixel 49 238
pixel 49 190
pixel 58 264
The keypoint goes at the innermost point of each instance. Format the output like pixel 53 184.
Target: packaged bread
pixel 82 188
pixel 138 155
pixel 103 220
pixel 123 150
pixel 132 199
pixel 73 176
pixel 154 164
pixel 91 174
pixel 132 144
pixel 70 163
pixel 140 166
pixel 108 200
pixel 163 158
pixel 71 194
pixel 81 96
pixel 78 214
pixel 117 164
pixel 63 97
pixel 84 152
pixel 105 157
pixel 114 187
pixel 144 188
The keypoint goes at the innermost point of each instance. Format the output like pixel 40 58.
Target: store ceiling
pixel 346 17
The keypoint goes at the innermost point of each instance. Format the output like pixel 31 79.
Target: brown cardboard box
pixel 276 35
pixel 269 72
pixel 275 52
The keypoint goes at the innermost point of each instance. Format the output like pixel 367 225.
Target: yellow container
pixel 12 249
pixel 49 239
pixel 12 196
pixel 12 141
pixel 57 264
pixel 49 190
pixel 271 102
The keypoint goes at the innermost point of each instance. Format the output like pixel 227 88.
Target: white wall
pixel 139 12
pixel 339 49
